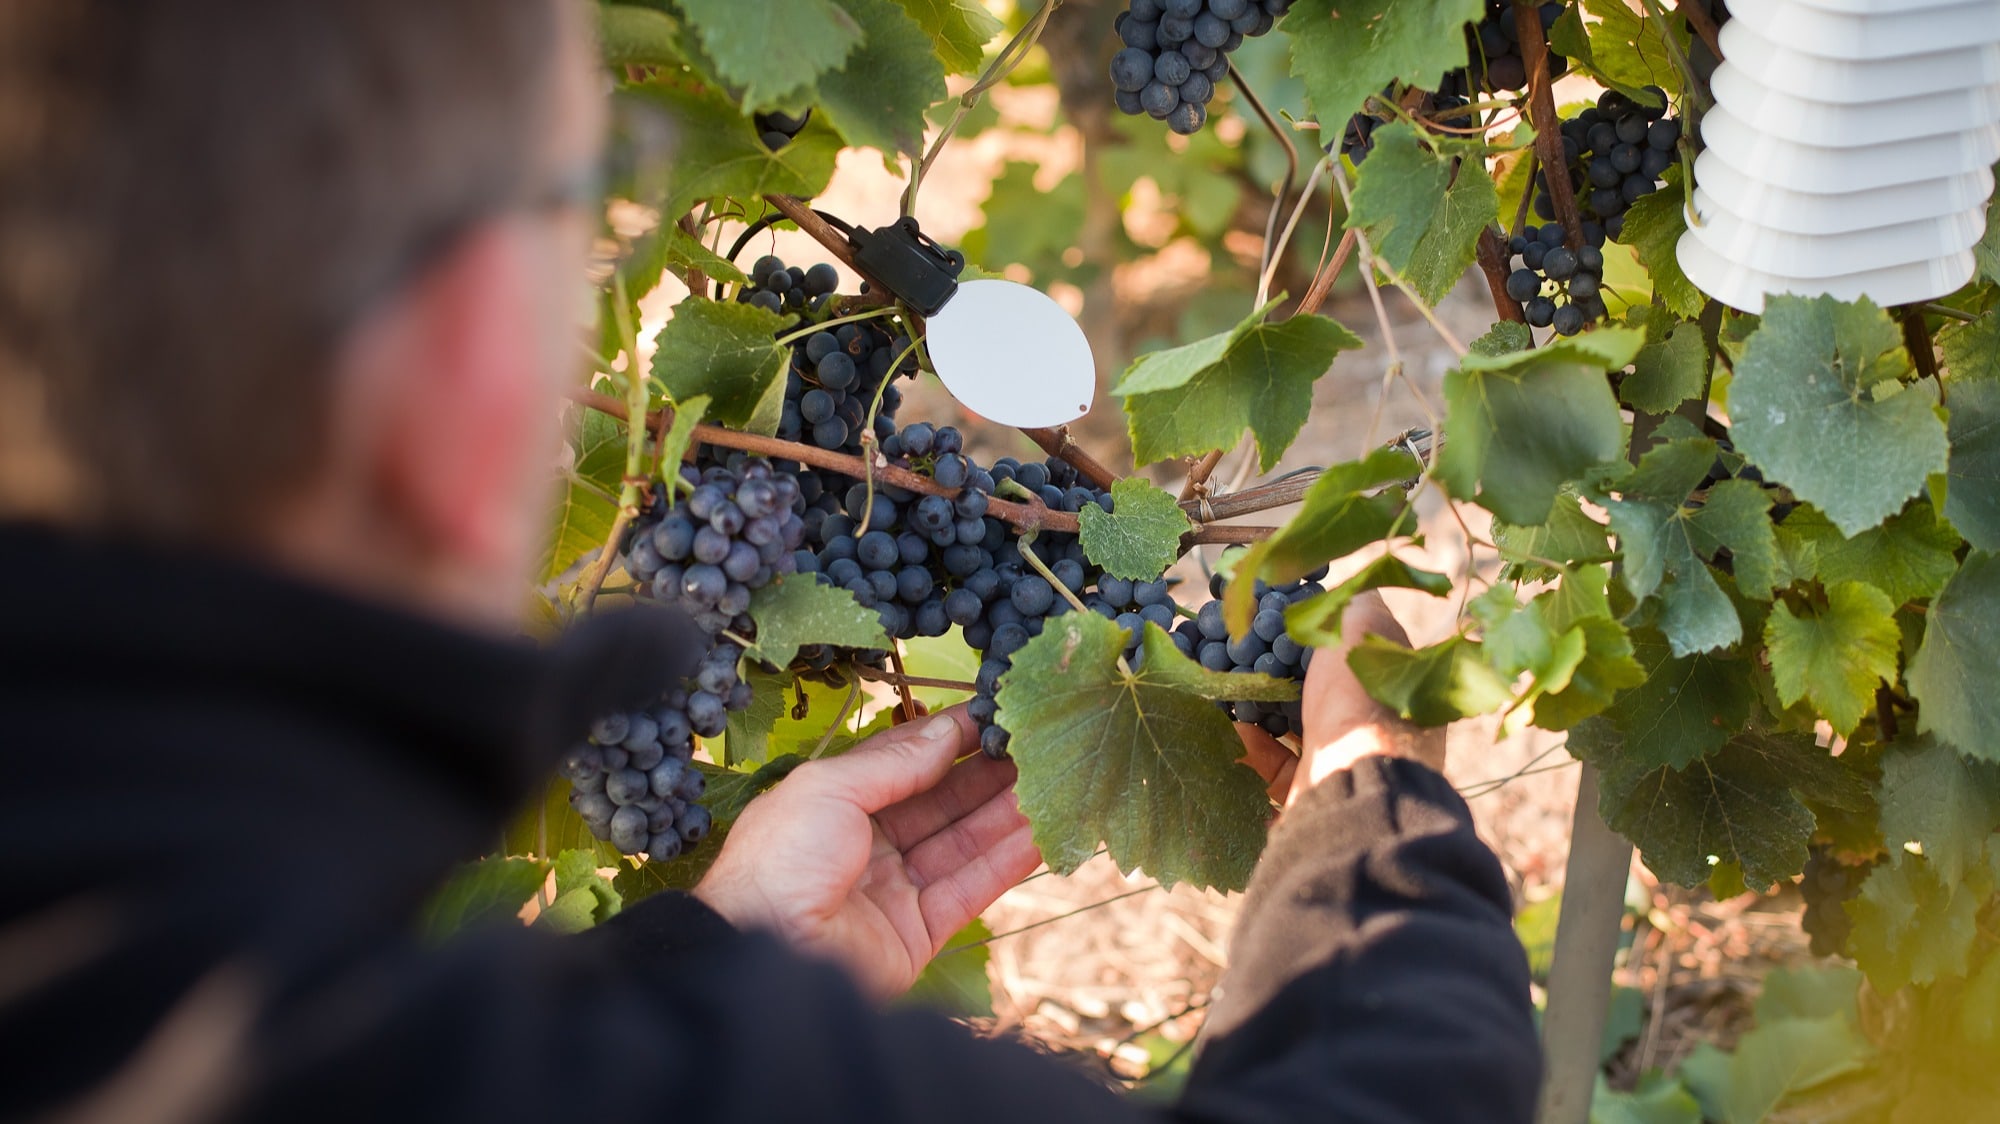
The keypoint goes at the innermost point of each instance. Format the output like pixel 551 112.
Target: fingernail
pixel 942 728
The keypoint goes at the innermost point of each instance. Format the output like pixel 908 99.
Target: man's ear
pixel 465 422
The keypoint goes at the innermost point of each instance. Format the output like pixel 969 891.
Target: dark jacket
pixel 223 796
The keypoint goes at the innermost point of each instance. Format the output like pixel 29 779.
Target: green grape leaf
pixel 1972 491
pixel 718 152
pixel 1346 50
pixel 629 35
pixel 1653 227
pixel 726 352
pixel 959 30
pixel 1667 373
pixel 1787 1056
pixel 1529 639
pixel 581 523
pixel 1141 536
pixel 1348 507
pixel 1933 796
pixel 795 611
pixel 747 739
pixel 479 893
pixel 1737 518
pixel 1143 761
pixel 955 983
pixel 1835 656
pixel 1913 927
pixel 1909 556
pixel 1952 674
pixel 1735 805
pixel 1810 410
pixel 1315 621
pixel 1658 1099
pixel 571 912
pixel 1203 395
pixel 1626 48
pixel 1607 668
pixel 1686 708
pixel 1503 338
pixel 1665 541
pixel 1568 536
pixel 772 69
pixel 1520 426
pixel 578 869
pixel 1429 686
pixel 878 97
pixel 584 897
pixel 1422 210
pixel 684 251
pixel 1809 993
pixel 1971 352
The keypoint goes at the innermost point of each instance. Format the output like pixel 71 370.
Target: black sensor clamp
pixel 909 263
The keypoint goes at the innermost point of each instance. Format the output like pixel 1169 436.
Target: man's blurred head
pixel 294 278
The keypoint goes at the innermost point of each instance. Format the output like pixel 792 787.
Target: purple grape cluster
pixel 1177 52
pixel 1558 286
pixel 1617 150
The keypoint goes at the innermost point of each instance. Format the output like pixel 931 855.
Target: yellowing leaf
pixel 1835 656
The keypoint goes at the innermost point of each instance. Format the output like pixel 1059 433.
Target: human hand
pixel 875 858
pixel 1342 723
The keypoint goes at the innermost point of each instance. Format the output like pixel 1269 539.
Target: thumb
pixel 896 764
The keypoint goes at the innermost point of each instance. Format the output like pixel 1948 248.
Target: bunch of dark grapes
pixel 733 532
pixel 777 129
pixel 1558 286
pixel 899 552
pixel 1828 885
pixel 634 782
pixel 1266 649
pixel 836 375
pixel 1177 52
pixel 1495 47
pixel 1617 150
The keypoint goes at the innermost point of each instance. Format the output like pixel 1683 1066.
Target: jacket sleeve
pixel 1374 975
pixel 1375 978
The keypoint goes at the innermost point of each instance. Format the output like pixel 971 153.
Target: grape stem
pixel 1493 263
pixel 1548 127
pixel 908 703
pixel 901 679
pixel 1322 284
pixel 1917 341
pixel 1018 515
pixel 1057 442
pixel 1284 187
pixel 820 231
pixel 634 411
pixel 875 313
pixel 846 708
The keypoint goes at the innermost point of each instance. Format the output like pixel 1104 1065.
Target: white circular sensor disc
pixel 1010 354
